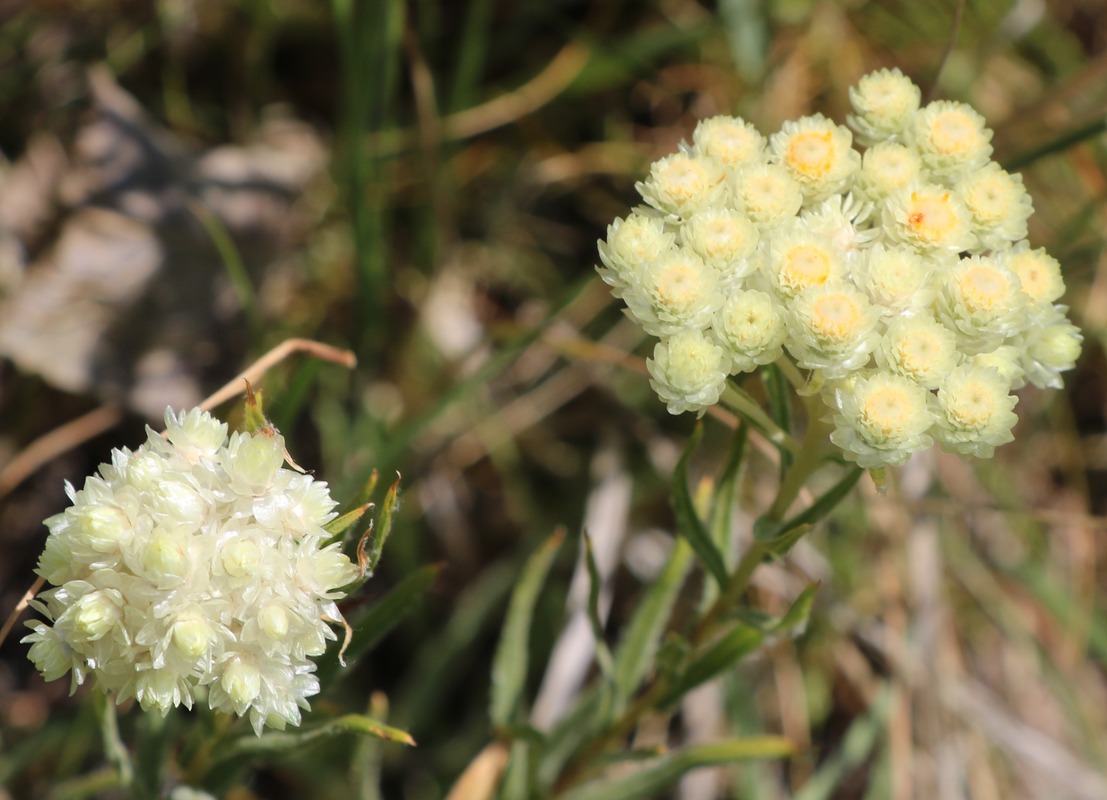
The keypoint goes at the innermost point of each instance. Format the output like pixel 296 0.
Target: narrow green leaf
pixel 799 612
pixel 688 520
pixel 723 654
pixel 651 781
pixel 514 782
pixel 509 667
pixel 370 626
pixel 722 509
pixel 636 650
pixel 277 742
pixel 779 537
pixel 384 524
pixel 603 652
pixel 339 525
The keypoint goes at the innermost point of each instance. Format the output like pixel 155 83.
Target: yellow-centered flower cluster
pixel 889 261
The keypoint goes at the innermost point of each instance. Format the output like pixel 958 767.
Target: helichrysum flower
pixel 797 259
pixel 884 104
pixel 193 561
pixel 631 244
pixel 897 278
pixel 886 168
pixel 683 183
pixel 918 348
pixel 688 371
pixel 1049 347
pixel 833 329
pixel 817 153
pixel 881 419
pixel 677 291
pixel 951 137
pixel 982 301
pixel 725 239
pixel 767 194
pixel 974 411
pixel 897 270
pixel 928 217
pixel 730 140
pixel 998 204
pixel 750 325
pixel 1039 274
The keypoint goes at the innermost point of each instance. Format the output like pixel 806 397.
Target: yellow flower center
pixel 805 265
pixel 931 217
pixel 982 288
pixel 811 153
pixel 887 411
pixel 954 132
pixel 835 316
pixel 684 179
pixel 974 406
pixel 679 287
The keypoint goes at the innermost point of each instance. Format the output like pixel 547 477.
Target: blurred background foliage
pixel 187 183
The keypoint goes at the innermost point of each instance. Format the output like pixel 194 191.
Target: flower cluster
pixel 899 276
pixel 196 564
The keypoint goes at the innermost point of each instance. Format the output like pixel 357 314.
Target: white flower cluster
pixel 900 275
pixel 193 565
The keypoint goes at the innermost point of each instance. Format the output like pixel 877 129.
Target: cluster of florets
pixel 195 564
pixel 900 277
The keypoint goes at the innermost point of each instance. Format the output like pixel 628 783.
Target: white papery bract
pixel 891 263
pixel 195 561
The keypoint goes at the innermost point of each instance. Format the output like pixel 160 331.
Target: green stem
pixel 747 408
pixel 114 748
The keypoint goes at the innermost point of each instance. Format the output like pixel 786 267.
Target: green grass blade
pixel 651 781
pixel 509 668
pixel 639 644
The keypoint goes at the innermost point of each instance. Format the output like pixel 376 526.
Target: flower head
pixel 168 602
pixel 682 184
pixel 817 153
pixel 918 348
pixel 725 239
pixel 832 329
pixel 677 291
pixel 884 103
pixel 951 138
pixel 688 371
pixel 631 244
pixel 767 194
pixel 928 217
pixel 896 272
pixel 974 411
pixel 750 325
pixel 730 140
pixel 886 168
pixel 998 204
pixel 881 419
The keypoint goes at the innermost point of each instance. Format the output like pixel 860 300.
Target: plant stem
pixel 745 407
